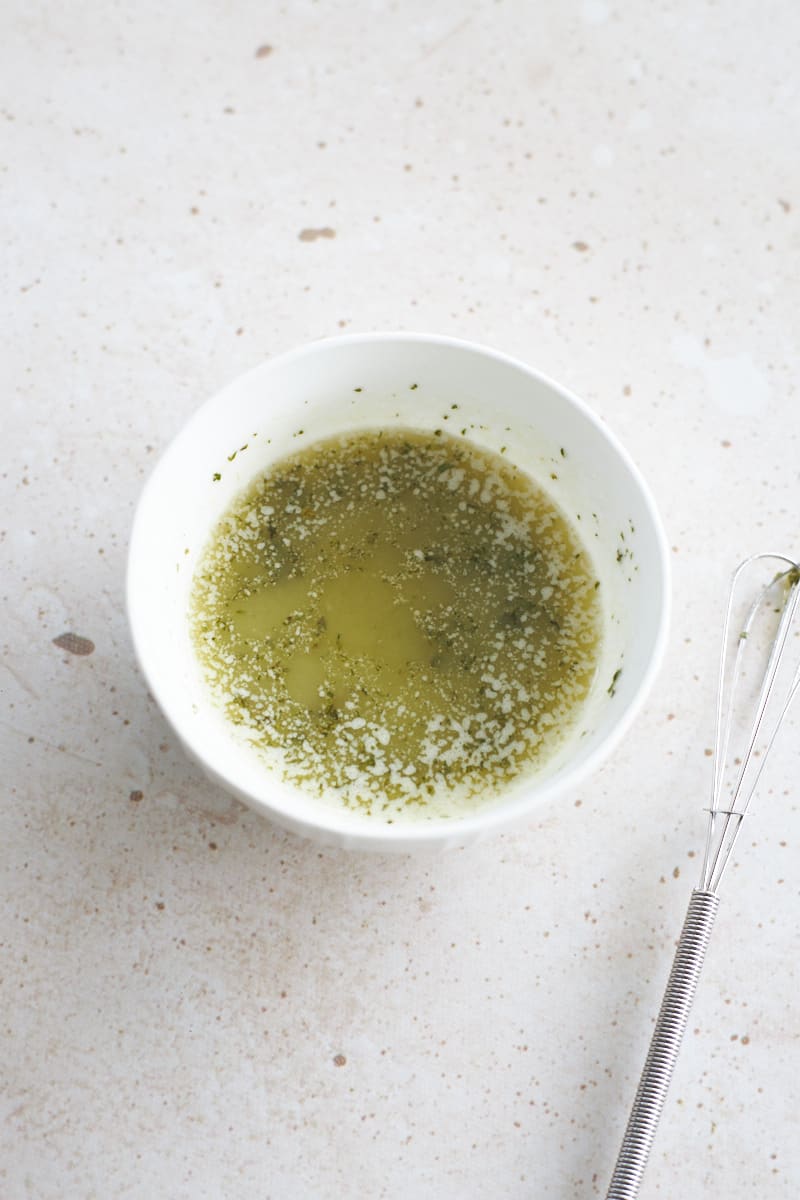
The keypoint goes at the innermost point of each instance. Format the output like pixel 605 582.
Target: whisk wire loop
pixel 756 637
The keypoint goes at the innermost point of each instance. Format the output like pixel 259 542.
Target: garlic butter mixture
pixel 405 617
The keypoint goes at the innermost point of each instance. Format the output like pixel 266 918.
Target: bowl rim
pixel 400 836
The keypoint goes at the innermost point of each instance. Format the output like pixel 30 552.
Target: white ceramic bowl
pixel 363 381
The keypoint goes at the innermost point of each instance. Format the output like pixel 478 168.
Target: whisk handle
pixel 664 1046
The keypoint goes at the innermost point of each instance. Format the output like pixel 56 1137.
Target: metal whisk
pixel 759 677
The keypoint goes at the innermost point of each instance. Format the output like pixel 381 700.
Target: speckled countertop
pixel 193 1003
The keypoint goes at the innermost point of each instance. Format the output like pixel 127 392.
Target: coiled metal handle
pixel 664 1046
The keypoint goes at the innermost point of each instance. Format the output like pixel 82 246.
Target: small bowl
pixel 383 380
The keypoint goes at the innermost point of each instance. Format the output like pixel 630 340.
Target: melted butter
pixel 406 618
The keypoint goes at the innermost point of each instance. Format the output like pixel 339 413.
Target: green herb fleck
pixel 612 687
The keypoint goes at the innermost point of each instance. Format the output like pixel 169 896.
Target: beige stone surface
pixel 193 1003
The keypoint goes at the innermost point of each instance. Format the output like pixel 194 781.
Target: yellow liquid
pixel 406 617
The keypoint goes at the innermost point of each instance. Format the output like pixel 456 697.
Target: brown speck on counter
pixel 311 235
pixel 708 753
pixel 745 1040
pixel 582 247
pixel 676 873
pixel 339 1060
pixel 136 796
pixel 212 845
pixel 264 51
pixel 725 444
pixel 160 905
pixel 73 643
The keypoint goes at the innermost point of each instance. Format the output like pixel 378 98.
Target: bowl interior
pixel 425 383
